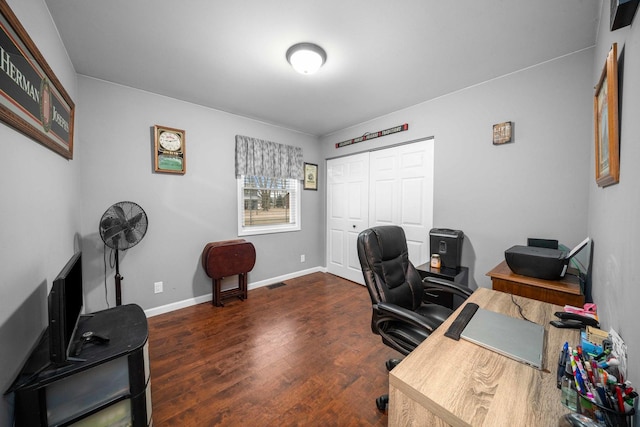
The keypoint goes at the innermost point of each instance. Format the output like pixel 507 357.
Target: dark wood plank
pixel 560 292
pixel 299 354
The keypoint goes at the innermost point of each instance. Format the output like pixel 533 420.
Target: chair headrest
pixel 391 241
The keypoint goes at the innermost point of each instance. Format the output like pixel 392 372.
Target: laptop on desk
pixel 517 339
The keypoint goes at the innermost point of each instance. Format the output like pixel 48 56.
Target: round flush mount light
pixel 306 58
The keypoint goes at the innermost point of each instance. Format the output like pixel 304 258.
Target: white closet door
pixel 401 193
pixel 347 213
pixel 383 187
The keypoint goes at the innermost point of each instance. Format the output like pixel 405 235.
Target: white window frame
pixel 295 225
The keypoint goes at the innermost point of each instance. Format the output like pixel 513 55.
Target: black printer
pixel 541 262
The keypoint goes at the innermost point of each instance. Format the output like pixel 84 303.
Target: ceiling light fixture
pixel 306 58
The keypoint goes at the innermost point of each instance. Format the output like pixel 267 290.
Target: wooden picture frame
pixel 310 176
pixel 605 110
pixel 32 99
pixel 169 150
pixel 502 133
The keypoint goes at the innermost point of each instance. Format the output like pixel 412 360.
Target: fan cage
pixel 123 225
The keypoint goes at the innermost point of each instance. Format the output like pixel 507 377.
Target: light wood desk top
pixel 447 382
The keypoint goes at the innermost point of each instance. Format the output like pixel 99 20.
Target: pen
pixel 602 395
pixel 594 369
pixel 620 400
pixel 562 361
pixel 581 386
pixel 587 367
pixel 580 366
pixel 603 376
pixel 576 375
pixel 610 399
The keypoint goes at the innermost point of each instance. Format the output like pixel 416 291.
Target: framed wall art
pixel 502 133
pixel 310 176
pixel 169 150
pixel 605 107
pixel 32 99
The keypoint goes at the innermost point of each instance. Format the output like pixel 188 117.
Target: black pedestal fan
pixel 122 226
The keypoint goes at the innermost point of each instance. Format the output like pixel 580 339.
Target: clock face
pixel 169 141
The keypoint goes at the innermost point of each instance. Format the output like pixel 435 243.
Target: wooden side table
pixel 565 291
pixel 224 259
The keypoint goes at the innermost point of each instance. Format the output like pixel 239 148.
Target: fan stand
pixel 119 279
pixel 124 222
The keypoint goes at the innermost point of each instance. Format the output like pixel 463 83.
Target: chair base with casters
pixel 399 315
pixel 383 401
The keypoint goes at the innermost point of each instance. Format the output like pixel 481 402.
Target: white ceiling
pixel 382 55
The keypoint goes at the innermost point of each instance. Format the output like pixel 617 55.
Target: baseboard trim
pixel 207 297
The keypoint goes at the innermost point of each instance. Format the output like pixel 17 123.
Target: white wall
pixel 185 211
pixel 500 195
pixel 39 214
pixel 614 212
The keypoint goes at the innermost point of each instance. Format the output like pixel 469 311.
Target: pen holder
pixel 599 413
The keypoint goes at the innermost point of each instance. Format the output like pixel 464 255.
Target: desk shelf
pixel 565 291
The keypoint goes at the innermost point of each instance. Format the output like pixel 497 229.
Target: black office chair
pixel 399 315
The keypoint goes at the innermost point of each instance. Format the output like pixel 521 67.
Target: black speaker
pixel 448 244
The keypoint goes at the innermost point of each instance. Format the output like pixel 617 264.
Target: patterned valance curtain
pixel 256 157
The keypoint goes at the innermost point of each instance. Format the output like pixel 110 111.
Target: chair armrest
pixel 395 312
pixel 433 283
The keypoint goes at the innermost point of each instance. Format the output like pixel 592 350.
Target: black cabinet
pixel 458 275
pixel 108 385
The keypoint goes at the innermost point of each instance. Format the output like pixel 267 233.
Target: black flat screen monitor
pixel 65 305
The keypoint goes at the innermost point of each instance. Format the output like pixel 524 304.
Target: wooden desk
pixel 565 291
pixel 457 383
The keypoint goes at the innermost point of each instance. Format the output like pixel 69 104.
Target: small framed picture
pixel 310 176
pixel 502 133
pixel 169 146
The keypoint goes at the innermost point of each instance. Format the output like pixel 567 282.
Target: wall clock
pixel 169 150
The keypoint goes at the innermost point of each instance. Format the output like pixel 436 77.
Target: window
pixel 267 205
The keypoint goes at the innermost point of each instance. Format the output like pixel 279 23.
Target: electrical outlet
pixel 302 258
pixel 157 287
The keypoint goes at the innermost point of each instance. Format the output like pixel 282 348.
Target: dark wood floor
pixel 299 354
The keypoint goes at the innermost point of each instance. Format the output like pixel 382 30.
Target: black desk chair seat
pixel 399 315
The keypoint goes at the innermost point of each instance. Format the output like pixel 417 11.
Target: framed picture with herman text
pixel 310 176
pixel 32 99
pixel 170 150
pixel 605 107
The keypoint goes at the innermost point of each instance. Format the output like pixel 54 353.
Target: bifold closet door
pixel 383 187
pixel 347 213
pixel 401 193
